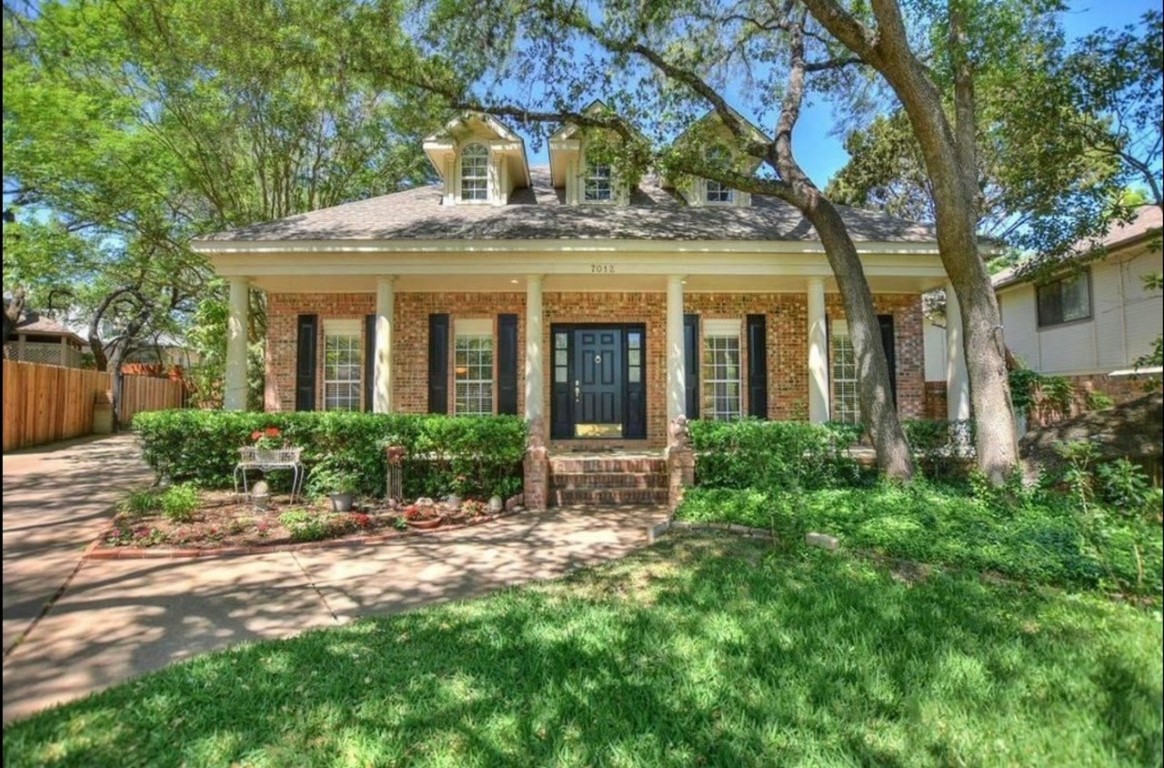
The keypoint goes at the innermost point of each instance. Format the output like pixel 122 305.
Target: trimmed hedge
pixel 1040 538
pixel 476 456
pixel 773 454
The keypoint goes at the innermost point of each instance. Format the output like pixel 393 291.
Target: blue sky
pixel 821 153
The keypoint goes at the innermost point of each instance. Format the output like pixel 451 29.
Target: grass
pixel 1041 539
pixel 701 650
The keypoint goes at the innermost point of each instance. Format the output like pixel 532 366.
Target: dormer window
pixel 717 193
pixel 475 172
pixel 597 188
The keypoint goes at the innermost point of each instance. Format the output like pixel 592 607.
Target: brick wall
pixel 787 330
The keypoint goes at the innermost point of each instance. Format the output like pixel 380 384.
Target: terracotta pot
pixel 424 524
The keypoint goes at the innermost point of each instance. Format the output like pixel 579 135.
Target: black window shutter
pixel 691 363
pixel 305 362
pixel 369 360
pixel 438 363
pixel 757 367
pixel 889 344
pixel 507 364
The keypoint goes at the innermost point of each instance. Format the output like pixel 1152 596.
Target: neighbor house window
pixel 342 365
pixel 717 193
pixel 1065 300
pixel 475 172
pixel 721 370
pixel 473 367
pixel 846 405
pixel 597 187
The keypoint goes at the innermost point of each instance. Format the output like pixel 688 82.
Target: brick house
pixel 598 310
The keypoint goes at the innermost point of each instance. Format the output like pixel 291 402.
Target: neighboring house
pixel 598 310
pixel 39 338
pixel 1090 323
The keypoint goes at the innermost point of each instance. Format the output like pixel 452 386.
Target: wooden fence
pixel 46 403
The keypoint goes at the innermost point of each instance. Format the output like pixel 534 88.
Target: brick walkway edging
pixel 655 531
pixel 95 552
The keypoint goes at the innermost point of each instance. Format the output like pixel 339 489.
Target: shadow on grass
pixel 697 651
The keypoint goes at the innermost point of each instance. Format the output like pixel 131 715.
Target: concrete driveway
pixel 120 618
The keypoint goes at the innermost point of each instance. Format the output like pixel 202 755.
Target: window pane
pixel 473 374
pixel 717 193
pixel 597 185
pixel 342 372
pixel 1076 301
pixel 721 377
pixel 846 406
pixel 475 172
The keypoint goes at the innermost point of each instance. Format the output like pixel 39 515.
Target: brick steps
pixel 608 497
pixel 608 480
pixel 569 481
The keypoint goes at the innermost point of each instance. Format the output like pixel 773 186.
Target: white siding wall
pixel 1125 321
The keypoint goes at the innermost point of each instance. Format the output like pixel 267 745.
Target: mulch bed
pixel 225 523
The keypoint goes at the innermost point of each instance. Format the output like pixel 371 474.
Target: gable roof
pixel 1145 223
pixel 539 212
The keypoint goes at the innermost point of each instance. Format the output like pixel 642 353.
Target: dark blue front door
pixel 598 385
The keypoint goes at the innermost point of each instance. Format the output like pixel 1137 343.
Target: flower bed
pixel 220 520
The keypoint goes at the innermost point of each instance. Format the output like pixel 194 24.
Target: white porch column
pixel 382 364
pixel 64 352
pixel 534 381
pixel 235 395
pixel 957 380
pixel 676 363
pixel 818 358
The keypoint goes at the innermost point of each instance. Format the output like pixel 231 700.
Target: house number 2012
pixel 602 269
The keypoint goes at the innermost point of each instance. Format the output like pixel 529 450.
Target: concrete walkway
pixel 121 618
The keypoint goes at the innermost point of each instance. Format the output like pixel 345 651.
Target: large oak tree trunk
pixel 873 387
pixel 953 174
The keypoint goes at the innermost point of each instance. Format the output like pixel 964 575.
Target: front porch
pixel 585 365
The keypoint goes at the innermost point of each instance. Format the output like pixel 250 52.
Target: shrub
pixel 179 502
pixel 772 454
pixel 1123 485
pixel 139 504
pixel 201 447
pixel 306 525
pixel 1037 536
pixel 939 445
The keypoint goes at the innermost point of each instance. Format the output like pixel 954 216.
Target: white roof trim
pixel 1146 371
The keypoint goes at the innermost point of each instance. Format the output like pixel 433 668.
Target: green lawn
pixel 1040 538
pixel 701 650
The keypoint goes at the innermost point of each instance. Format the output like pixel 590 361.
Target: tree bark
pixel 873 383
pixel 12 312
pixel 955 194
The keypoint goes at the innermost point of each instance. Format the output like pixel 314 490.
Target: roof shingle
pixel 539 212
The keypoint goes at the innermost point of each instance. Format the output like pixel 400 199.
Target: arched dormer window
pixel 714 192
pixel 597 183
pixel 475 172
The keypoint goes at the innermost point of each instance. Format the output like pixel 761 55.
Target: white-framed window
pixel 475 172
pixel 846 405
pixel 720 377
pixel 596 185
pixel 473 367
pixel 717 193
pixel 343 365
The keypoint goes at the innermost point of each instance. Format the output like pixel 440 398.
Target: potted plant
pixel 338 483
pixel 422 516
